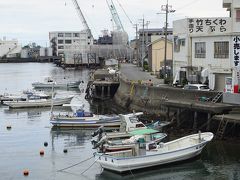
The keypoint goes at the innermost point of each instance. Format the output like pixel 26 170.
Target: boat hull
pixel 56 85
pixel 38 103
pixel 85 123
pixel 122 164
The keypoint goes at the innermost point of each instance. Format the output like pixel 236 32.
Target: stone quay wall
pixel 144 97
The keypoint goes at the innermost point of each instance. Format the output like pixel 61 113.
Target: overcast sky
pixel 32 20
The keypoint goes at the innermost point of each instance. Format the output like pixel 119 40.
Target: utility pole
pixel 147 23
pixel 143 40
pixel 167 9
pixel 136 44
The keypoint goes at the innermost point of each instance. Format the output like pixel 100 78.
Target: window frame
pixel 60 34
pixel 221 49
pixel 60 41
pixel 200 50
pixel 237 15
pixel 68 35
pixel 68 41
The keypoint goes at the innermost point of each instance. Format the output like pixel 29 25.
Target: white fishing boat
pixel 83 119
pixel 174 151
pixel 24 95
pixel 132 131
pixel 38 102
pixel 49 83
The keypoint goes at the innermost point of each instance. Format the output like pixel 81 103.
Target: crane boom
pixel 115 15
pixel 80 14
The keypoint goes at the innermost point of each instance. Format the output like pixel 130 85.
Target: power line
pixel 189 4
pixel 125 12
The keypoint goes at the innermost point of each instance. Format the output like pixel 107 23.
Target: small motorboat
pixel 81 118
pixel 50 83
pixel 24 95
pixel 132 131
pixel 174 151
pixel 37 102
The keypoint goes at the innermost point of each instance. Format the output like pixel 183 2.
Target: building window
pixel 238 15
pixel 76 35
pixel 68 41
pixel 60 41
pixel 200 50
pixel 60 47
pixel 182 42
pixel 68 34
pixel 60 34
pixel 176 44
pixel 221 49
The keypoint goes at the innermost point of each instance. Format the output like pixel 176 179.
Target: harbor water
pixel 29 132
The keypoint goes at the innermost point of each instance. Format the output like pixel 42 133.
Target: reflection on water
pixel 188 170
pixel 70 138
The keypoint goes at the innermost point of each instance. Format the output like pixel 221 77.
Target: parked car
pixel 199 87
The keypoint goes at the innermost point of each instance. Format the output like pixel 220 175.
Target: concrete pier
pixel 186 106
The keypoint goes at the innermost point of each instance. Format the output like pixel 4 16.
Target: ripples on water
pixel 21 144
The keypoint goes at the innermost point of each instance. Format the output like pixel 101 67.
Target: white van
pixel 199 87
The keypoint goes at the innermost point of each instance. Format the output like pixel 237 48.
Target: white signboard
pixel 236 51
pixel 209 25
pixel 228 84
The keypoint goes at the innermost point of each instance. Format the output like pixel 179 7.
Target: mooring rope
pixel 92 164
pixel 89 166
pixel 75 164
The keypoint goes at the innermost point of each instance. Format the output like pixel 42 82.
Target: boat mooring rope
pixel 92 165
pixel 89 167
pixel 75 164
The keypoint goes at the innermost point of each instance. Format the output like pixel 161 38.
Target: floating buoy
pixel 45 144
pixel 41 152
pixel 65 150
pixel 9 127
pixel 26 172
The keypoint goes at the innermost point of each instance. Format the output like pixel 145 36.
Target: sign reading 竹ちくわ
pixel 209 25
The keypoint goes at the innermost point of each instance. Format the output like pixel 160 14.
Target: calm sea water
pixel 21 144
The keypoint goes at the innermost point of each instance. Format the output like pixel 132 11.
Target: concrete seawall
pixel 140 97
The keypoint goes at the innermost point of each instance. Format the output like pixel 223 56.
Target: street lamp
pixel 168 9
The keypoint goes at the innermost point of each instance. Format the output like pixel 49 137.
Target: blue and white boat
pixel 84 119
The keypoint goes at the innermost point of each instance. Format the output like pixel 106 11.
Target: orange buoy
pixel 41 152
pixel 26 172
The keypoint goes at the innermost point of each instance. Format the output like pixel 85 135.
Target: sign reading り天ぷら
pixel 209 25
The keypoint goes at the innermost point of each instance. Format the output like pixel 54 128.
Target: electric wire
pixel 125 12
pixel 189 4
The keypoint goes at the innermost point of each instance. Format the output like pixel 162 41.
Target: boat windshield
pixel 133 119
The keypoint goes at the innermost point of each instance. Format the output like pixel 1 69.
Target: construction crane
pixel 115 15
pixel 84 22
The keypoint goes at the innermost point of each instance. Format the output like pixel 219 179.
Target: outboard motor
pixel 99 132
pixel 99 144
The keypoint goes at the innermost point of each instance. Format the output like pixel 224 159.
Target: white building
pixel 9 48
pixel 208 49
pixel 70 44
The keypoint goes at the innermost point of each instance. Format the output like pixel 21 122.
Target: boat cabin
pixel 130 122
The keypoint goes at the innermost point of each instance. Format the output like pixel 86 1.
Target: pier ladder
pixel 217 97
pixel 221 128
